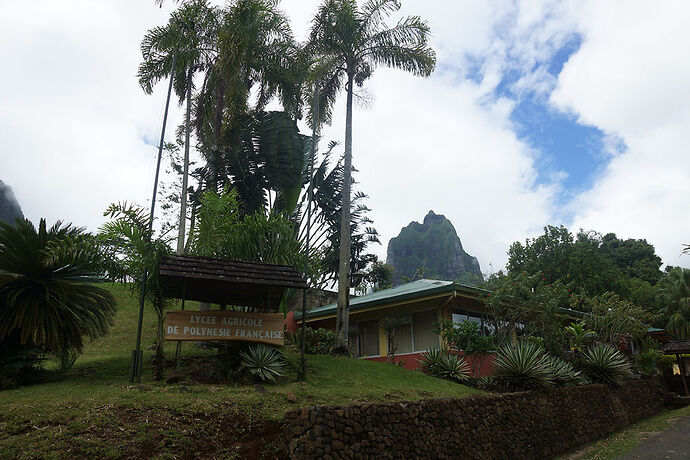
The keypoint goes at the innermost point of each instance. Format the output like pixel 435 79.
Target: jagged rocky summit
pixel 431 250
pixel 9 208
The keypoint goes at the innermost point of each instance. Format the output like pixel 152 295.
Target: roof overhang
pixel 229 282
pixel 398 295
pixel 676 347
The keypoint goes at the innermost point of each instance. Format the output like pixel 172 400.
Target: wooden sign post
pixel 216 326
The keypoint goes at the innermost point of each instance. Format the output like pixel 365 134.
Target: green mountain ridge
pixel 433 250
pixel 10 210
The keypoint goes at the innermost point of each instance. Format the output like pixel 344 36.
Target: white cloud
pixel 630 79
pixel 445 143
pixel 73 119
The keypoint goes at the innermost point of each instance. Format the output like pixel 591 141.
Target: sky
pixel 539 112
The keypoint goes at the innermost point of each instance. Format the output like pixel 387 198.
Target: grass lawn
pixel 93 410
pixel 626 439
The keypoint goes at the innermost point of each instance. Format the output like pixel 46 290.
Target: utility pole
pixel 137 354
pixel 315 119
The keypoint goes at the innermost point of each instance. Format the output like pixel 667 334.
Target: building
pixel 420 303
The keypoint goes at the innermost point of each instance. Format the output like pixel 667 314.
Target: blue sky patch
pixel 564 146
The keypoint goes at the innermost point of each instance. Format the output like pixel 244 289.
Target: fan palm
pixel 190 36
pixel 347 44
pixel 47 296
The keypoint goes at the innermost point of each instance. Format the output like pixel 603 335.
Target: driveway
pixel 673 442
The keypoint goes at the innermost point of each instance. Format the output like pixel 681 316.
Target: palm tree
pixel 190 36
pixel 239 139
pixel 675 294
pixel 348 43
pixel 47 293
pixel 130 252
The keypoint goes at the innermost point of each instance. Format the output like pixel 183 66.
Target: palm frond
pixel 45 290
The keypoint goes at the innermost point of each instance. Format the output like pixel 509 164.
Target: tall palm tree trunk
pixel 343 316
pixel 185 167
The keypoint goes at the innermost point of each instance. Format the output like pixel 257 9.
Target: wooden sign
pixel 215 325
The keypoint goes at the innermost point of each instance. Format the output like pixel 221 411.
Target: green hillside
pixel 93 410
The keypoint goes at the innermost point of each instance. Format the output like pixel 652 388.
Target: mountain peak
pixel 431 249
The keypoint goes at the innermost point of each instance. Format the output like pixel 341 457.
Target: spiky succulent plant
pixel 605 364
pixel 453 367
pixel 430 361
pixel 263 362
pixel 523 366
pixel 562 372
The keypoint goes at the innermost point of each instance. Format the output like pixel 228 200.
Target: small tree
pixel 528 304
pixel 468 338
pixel 378 277
pixel 131 250
pixel 390 324
pixel 578 333
pixel 616 322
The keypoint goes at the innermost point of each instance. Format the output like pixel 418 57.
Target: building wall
pixel 411 362
pixel 442 304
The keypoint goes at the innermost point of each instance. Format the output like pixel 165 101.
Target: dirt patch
pixel 154 432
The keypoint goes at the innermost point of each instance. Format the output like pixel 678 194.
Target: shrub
pixel 430 361
pixel 523 366
pixel 605 364
pixel 321 341
pixel 466 336
pixel 318 341
pixel 263 362
pixel 648 361
pixel 562 372
pixel 19 364
pixel 454 368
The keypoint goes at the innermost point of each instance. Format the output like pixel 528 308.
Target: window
pixel 459 317
pixel 402 340
pixel 422 326
pixel 369 338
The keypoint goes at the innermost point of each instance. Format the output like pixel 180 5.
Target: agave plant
pixel 486 383
pixel 430 361
pixel 453 367
pixel 524 366
pixel 605 364
pixel 263 362
pixel 563 372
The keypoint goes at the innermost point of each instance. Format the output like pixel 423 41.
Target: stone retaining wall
pixel 513 425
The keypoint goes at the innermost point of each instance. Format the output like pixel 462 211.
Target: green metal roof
pixel 408 291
